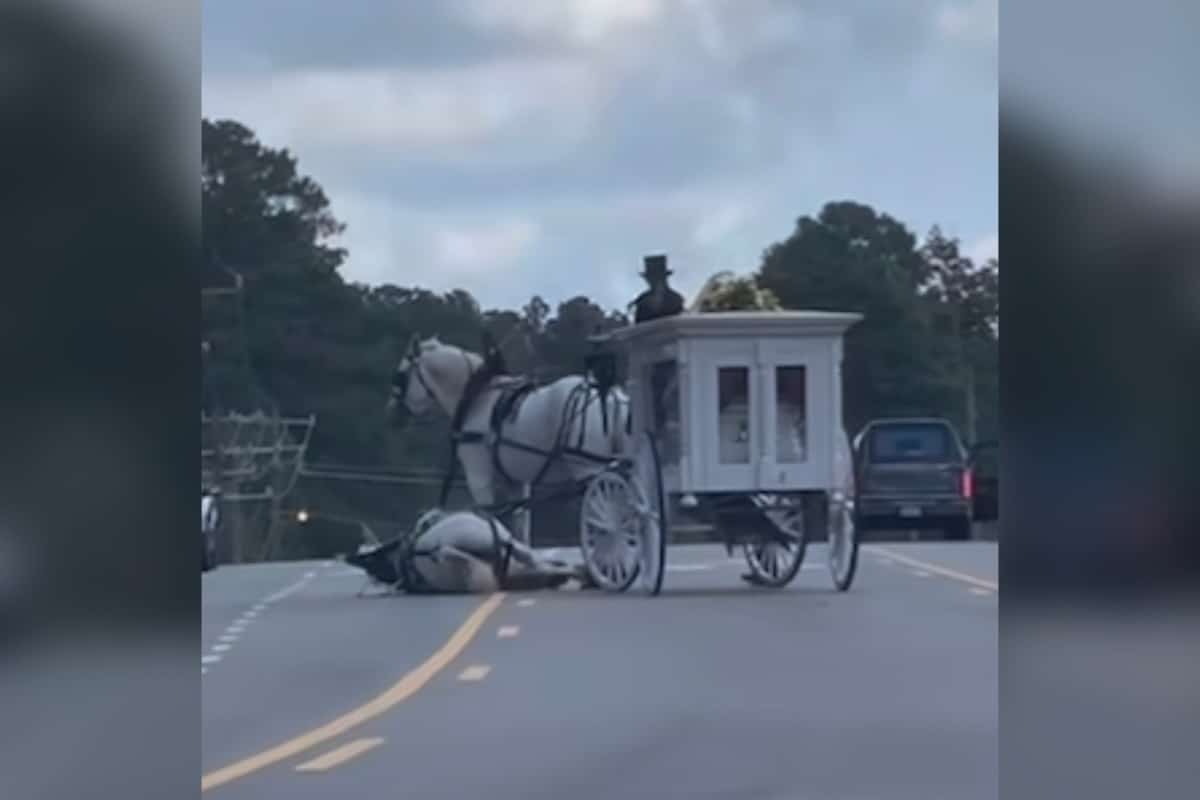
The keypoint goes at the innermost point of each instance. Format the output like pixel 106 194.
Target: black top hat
pixel 655 267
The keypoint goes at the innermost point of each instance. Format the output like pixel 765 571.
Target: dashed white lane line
pixel 476 672
pixel 226 641
pixel 920 573
pixel 340 755
pixel 981 592
pixel 526 602
pixel 508 631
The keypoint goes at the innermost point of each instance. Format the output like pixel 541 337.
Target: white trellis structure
pixel 253 456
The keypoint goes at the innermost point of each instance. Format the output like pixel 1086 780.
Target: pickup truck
pixel 913 474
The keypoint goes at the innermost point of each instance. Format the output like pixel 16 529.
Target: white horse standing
pixel 512 434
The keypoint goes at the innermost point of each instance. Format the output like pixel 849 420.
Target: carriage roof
pixel 741 324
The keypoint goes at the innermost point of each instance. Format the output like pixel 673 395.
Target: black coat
pixel 647 307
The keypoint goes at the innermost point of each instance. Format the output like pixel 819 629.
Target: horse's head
pixel 411 395
pixel 430 375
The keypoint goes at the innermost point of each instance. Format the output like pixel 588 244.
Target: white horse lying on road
pixel 460 552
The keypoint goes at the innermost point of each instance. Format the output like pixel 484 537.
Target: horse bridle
pixel 400 384
pixel 400 379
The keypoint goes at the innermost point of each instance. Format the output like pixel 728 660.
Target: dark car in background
pixel 210 520
pixel 913 474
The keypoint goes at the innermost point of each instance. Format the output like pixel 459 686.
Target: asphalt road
pixel 711 690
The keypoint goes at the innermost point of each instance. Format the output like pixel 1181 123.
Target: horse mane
pixel 434 343
pixel 483 370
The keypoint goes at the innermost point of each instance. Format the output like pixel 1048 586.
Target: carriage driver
pixel 660 300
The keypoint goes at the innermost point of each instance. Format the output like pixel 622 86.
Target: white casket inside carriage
pixel 741 401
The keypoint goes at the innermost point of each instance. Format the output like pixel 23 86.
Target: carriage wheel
pixel 843 543
pixel 774 562
pixel 646 477
pixel 609 531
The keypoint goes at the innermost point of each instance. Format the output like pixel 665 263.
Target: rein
pixel 477 380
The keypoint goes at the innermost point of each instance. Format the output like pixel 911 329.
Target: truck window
pixel 910 443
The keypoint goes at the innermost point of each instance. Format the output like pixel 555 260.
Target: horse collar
pixel 477 381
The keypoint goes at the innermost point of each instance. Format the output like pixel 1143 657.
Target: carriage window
pixel 664 393
pixel 791 432
pixel 733 409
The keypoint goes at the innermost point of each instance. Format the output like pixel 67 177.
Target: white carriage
pixel 735 417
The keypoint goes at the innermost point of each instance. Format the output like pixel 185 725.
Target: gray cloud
pixel 346 34
pixel 565 144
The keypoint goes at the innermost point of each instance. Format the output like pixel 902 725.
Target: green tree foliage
pixel 307 341
pixel 851 258
pixel 965 299
pixel 565 337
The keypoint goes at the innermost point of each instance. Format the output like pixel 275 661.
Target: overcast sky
pixel 513 147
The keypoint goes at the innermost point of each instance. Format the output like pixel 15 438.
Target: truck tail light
pixel 968 484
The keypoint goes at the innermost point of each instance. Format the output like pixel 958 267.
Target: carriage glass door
pixel 733 422
pixel 796 424
pixel 733 460
pixel 791 414
pixel 790 457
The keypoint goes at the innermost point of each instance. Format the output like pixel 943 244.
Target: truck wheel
pixel 958 530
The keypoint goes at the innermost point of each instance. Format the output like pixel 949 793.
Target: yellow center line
pixel 945 572
pixel 406 687
pixel 340 755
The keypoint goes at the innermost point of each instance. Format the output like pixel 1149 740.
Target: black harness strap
pixel 412 581
pixel 501 554
pixel 560 443
pixel 507 406
pixel 476 381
